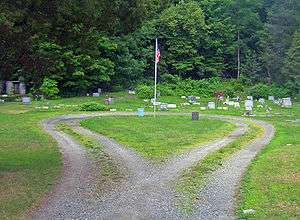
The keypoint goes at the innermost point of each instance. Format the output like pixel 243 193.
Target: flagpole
pixel 155 77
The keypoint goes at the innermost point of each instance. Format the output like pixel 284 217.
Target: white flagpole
pixel 155 76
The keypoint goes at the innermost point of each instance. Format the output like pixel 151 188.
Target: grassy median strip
pixel 271 186
pixel 192 179
pixel 109 172
pixel 159 137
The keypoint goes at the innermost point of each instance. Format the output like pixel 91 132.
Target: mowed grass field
pixel 160 136
pixel 272 184
pixel 30 161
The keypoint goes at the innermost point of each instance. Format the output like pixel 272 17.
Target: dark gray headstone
pixel 195 116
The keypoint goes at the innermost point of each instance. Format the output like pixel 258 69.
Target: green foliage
pixel 49 88
pixel 145 92
pixel 92 106
pixel 261 90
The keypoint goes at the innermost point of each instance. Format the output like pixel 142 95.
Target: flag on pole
pixel 157 55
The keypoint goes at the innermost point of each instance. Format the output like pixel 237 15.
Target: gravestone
pixel 99 91
pixel 1 101
pixel 9 87
pixel 96 94
pixel 163 107
pixel 195 116
pixel 192 99
pixel 171 106
pixel 22 88
pixel 271 98
pixel 141 112
pixel 109 101
pixel 249 105
pixel 211 105
pixel 131 92
pixel 26 100
pixel 261 101
pixel 286 102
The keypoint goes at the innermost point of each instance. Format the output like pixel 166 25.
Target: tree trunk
pixel 238 56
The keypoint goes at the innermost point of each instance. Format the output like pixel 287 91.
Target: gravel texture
pixel 145 192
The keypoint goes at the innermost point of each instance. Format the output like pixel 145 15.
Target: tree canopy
pixel 81 45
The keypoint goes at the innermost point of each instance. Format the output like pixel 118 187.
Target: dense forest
pixel 84 44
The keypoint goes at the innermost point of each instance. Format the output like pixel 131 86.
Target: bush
pixel 144 92
pixel 92 106
pixel 261 90
pixel 49 88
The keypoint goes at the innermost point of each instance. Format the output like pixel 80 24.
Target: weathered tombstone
pixel 99 91
pixel 141 112
pixel 9 87
pixel 158 94
pixel 192 99
pixel 171 106
pixel 96 94
pixel 271 98
pixel 109 101
pixel 211 105
pixel 163 107
pixel 1 101
pixel 195 116
pixel 261 101
pixel 22 88
pixel 250 98
pixel 248 106
pixel 131 92
pixel 286 102
pixel 26 100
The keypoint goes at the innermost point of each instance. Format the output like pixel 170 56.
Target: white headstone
pixel 96 94
pixel 131 92
pixel 171 106
pixel 211 105
pixel 249 105
pixel 26 100
pixel 286 102
pixel 261 101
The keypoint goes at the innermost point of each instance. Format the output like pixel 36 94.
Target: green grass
pixel 191 180
pixel 161 136
pixel 109 173
pixel 272 183
pixel 29 162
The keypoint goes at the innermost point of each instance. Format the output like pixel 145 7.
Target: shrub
pixel 144 92
pixel 92 106
pixel 49 88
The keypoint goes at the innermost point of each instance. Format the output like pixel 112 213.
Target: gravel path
pixel 145 193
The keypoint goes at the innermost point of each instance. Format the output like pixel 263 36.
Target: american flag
pixel 157 55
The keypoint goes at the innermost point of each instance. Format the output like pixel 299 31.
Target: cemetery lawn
pixel 272 184
pixel 192 179
pixel 159 137
pixel 29 162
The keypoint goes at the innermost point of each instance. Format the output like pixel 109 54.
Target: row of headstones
pixel 12 87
